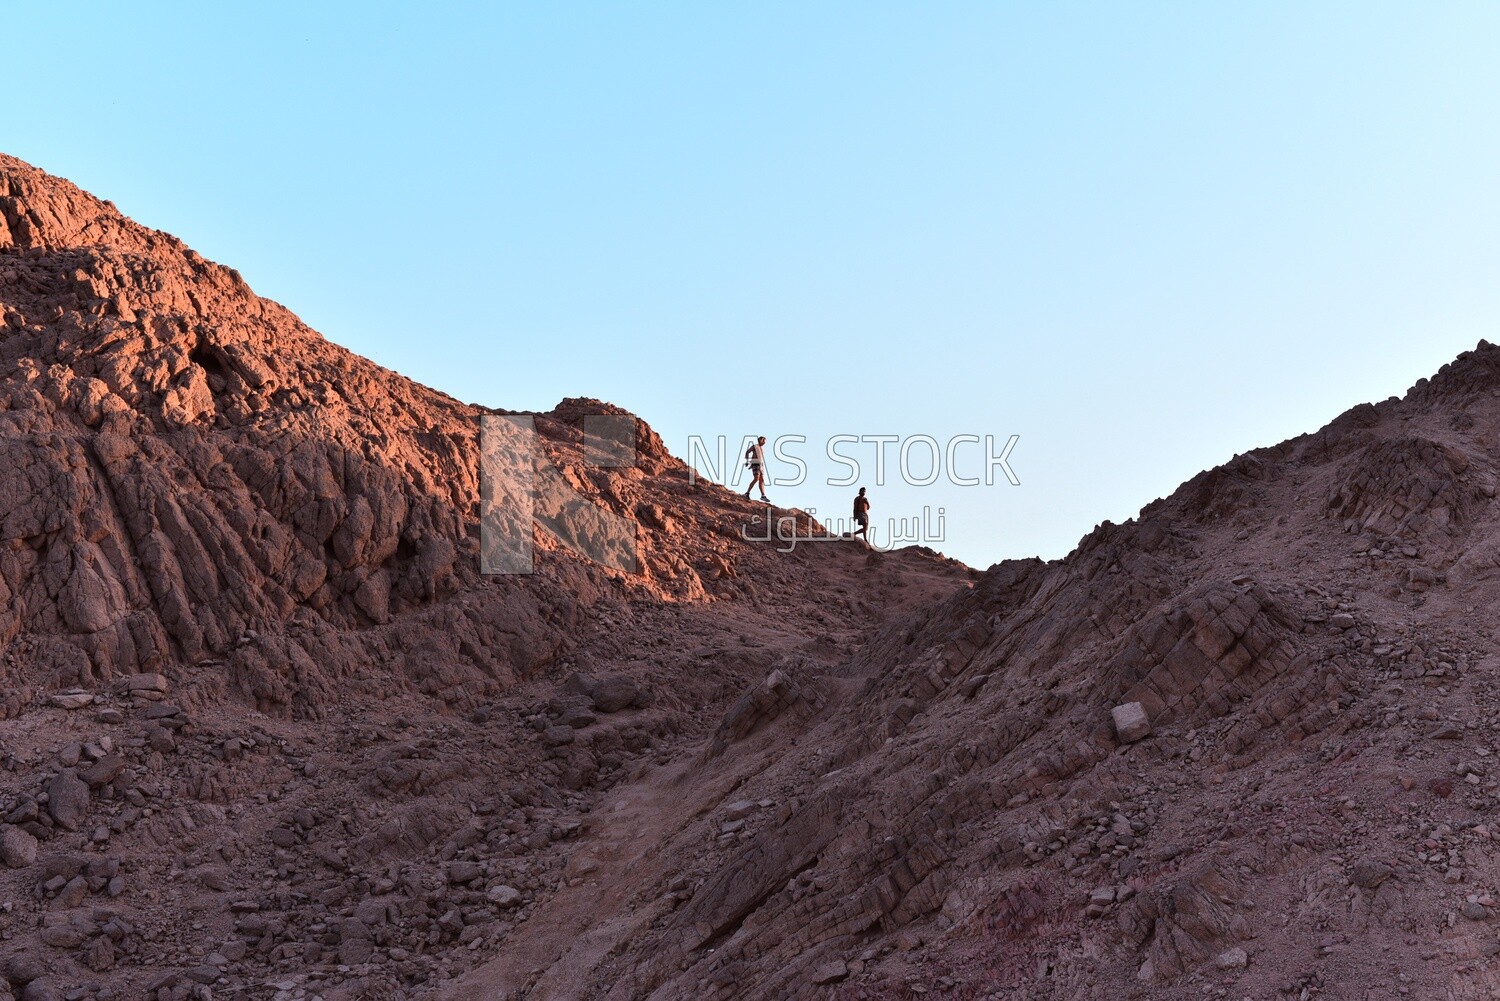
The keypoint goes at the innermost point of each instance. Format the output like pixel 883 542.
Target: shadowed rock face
pixel 1408 488
pixel 968 821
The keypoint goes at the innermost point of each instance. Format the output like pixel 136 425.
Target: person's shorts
pixel 754 471
pixel 863 520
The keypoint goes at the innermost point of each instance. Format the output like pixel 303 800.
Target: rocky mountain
pixel 199 479
pixel 1238 747
pixel 240 582
pixel 271 734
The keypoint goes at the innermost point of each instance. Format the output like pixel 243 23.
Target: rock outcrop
pixel 270 732
pixel 243 631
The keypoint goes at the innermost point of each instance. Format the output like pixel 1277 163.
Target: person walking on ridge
pixel 862 515
pixel 755 458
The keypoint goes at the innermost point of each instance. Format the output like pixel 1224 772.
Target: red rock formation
pixel 312 748
pixel 240 546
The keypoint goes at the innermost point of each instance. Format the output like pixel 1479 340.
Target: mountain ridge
pixel 270 731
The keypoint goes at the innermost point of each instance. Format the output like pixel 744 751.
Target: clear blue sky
pixel 1143 237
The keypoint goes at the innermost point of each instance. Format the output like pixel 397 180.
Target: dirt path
pixel 560 945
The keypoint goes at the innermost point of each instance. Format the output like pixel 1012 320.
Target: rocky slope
pixel 1309 812
pixel 266 719
pixel 270 734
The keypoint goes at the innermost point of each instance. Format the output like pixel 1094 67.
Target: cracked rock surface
pixel 268 732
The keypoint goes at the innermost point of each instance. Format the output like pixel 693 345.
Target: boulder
pixel 1131 723
pixel 67 799
pixel 17 848
pixel 503 896
pixel 830 973
pixel 70 700
pixel 103 771
pixel 615 693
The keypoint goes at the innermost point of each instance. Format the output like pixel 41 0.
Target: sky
pixel 1141 237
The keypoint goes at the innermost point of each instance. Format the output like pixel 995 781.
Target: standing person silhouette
pixel 862 515
pixel 755 458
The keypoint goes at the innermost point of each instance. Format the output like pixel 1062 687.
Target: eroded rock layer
pixel 269 733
